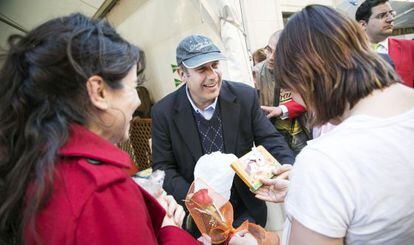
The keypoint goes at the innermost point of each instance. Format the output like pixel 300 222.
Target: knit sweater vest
pixel 210 132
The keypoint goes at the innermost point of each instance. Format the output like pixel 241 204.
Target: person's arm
pixel 163 158
pixel 119 215
pixel 265 134
pixel 174 235
pixel 299 235
pixel 115 215
pixel 294 109
pixel 286 110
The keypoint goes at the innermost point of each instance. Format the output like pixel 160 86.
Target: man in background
pixel 377 17
pixel 278 104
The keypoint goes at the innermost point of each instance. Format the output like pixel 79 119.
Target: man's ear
pixel 97 91
pixel 183 75
pixel 363 24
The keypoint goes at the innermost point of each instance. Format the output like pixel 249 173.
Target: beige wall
pixel 30 13
pixel 296 5
pixel 263 17
pixel 157 26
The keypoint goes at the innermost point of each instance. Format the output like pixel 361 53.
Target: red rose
pixel 202 198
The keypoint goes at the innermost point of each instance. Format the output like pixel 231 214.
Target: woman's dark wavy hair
pixel 42 92
pixel 325 57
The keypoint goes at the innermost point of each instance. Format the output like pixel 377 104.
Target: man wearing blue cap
pixel 209 114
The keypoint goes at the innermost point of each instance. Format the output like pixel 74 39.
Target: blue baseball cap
pixel 196 50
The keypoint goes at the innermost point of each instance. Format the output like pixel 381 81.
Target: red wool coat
pixel 95 202
pixel 402 54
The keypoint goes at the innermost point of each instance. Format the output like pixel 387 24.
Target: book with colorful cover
pixel 255 165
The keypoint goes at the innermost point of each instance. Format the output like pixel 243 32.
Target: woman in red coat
pixel 67 94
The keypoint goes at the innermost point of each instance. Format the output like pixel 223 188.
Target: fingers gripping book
pixel 255 165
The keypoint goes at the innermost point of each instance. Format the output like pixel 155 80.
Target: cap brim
pixel 202 59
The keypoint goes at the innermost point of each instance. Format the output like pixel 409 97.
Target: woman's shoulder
pixel 100 174
pixel 81 178
pixel 91 160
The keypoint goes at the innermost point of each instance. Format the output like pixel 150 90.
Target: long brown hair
pixel 42 92
pixel 325 57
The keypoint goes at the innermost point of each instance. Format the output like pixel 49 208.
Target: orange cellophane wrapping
pixel 213 215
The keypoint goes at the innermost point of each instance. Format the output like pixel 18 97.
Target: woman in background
pixel 354 184
pixel 67 94
pixel 258 56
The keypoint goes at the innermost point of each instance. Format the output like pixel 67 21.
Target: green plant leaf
pixel 174 68
pixel 177 82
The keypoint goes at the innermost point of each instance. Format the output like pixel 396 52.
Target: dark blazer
pixel 176 144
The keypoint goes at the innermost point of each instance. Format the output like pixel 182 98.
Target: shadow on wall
pixel 129 7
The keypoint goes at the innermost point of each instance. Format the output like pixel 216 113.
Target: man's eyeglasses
pixel 385 15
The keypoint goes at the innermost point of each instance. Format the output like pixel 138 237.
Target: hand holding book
pixel 275 189
pixel 256 165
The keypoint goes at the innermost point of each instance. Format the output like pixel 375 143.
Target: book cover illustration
pixel 255 165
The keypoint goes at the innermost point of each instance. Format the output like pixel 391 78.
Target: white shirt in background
pixel 382 47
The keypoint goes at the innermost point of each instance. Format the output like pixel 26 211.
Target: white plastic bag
pixel 215 170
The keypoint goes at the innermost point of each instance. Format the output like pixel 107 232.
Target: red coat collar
pixel 84 143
